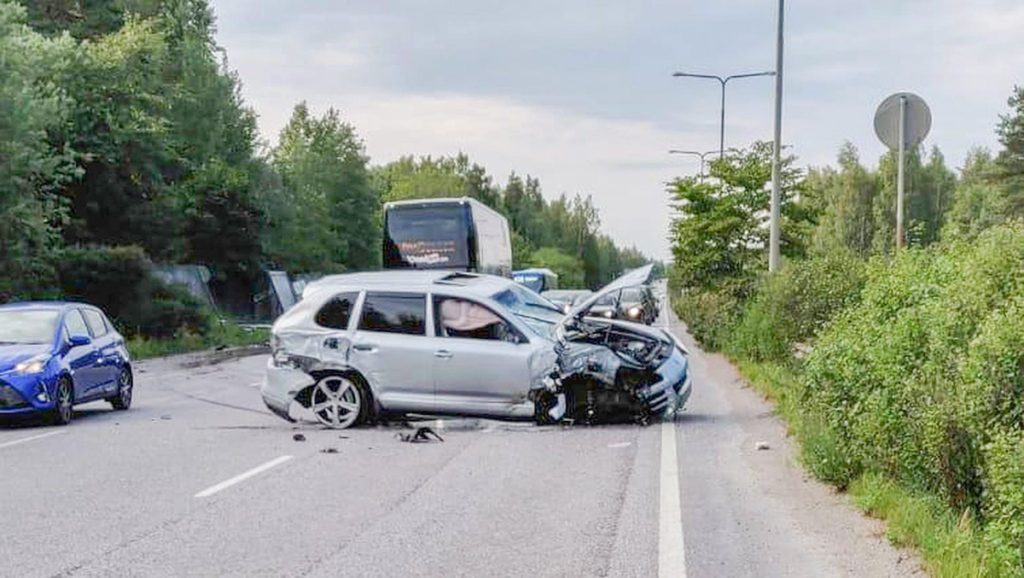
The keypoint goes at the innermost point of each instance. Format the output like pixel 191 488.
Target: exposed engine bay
pixel 611 371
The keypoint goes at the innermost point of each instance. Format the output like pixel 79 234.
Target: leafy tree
pixel 928 193
pixel 978 202
pixel 568 268
pixel 847 200
pixel 1010 161
pixel 32 107
pixel 120 132
pixel 322 164
pixel 721 234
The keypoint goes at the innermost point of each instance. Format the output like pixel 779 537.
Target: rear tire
pixel 339 401
pixel 63 403
pixel 125 388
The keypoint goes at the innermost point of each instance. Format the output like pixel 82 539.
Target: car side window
pixel 75 324
pixel 95 322
pixel 394 313
pixel 462 318
pixel 335 314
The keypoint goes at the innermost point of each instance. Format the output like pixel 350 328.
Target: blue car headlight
pixel 32 366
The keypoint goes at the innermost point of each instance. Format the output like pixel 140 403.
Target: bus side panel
pixel 493 242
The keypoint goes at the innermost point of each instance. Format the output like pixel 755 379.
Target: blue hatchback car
pixel 54 355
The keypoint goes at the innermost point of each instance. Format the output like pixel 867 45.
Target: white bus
pixel 459 234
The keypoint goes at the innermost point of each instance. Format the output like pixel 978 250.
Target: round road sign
pixel 887 120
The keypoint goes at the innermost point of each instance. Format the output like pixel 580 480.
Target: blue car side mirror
pixel 79 340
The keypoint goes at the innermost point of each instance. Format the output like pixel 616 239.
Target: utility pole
pixel 774 226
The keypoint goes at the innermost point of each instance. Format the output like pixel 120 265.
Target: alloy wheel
pixel 64 401
pixel 336 402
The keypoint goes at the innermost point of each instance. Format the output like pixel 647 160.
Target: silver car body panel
pixel 437 374
pixel 465 376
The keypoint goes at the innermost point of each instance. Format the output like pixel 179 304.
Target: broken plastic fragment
pixel 421 435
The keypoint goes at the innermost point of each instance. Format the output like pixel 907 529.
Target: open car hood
pixel 638 276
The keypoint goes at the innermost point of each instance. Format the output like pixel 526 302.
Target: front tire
pixel 125 386
pixel 337 401
pixel 63 403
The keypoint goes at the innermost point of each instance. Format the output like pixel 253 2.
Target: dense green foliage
pixel 901 374
pixel 124 140
pixel 120 281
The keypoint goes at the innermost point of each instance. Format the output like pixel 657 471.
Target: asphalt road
pixel 198 479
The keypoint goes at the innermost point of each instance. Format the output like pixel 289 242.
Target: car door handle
pixel 443 354
pixel 363 347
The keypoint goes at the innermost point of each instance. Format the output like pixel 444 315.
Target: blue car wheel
pixel 123 399
pixel 63 403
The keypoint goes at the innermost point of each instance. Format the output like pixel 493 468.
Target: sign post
pixel 901 121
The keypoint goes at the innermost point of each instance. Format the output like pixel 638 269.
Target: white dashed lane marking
pixel 242 477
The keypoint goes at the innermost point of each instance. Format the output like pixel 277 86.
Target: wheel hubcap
pixel 335 402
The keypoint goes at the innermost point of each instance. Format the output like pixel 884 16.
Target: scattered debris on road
pixel 423 434
pixel 763 446
pixel 329 451
pixel 299 437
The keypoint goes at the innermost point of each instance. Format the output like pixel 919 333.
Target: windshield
pixel 426 237
pixel 27 326
pixel 631 295
pixel 535 311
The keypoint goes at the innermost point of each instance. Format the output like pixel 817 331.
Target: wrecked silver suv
pixel 366 345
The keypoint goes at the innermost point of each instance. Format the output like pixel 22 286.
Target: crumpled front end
pixel 619 377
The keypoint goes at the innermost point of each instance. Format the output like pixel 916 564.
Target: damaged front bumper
pixel 668 396
pixel 280 386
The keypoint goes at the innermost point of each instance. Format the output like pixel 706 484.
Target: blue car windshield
pixel 539 314
pixel 27 326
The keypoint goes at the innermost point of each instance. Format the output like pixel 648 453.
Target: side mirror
pixel 79 340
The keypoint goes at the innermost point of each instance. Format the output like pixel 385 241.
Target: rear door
pixel 482 362
pixel 108 357
pixel 392 350
pixel 82 359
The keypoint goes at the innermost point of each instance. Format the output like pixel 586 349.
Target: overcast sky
pixel 579 93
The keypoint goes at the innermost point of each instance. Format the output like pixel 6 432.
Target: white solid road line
pixel 242 477
pixel 28 439
pixel 671 547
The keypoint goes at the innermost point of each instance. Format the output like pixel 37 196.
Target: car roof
pixel 412 280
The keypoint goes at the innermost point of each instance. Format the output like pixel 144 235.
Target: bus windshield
pixel 426 237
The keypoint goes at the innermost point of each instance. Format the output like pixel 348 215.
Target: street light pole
pixel 700 155
pixel 722 81
pixel 774 226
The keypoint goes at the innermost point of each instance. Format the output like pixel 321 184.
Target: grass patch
pixel 950 545
pixel 227 334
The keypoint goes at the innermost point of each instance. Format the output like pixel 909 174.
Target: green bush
pixel 922 381
pixel 793 305
pixel 708 315
pixel 120 281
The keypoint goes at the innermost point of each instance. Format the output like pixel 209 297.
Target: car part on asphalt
pixel 421 435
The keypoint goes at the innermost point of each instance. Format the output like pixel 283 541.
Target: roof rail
pixel 457 278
